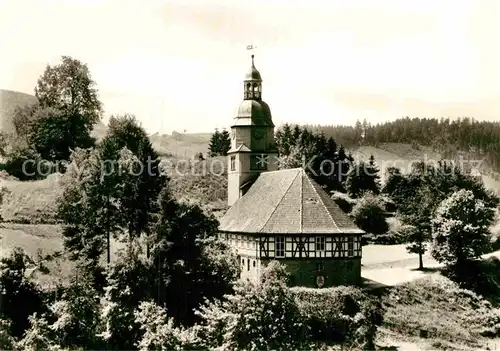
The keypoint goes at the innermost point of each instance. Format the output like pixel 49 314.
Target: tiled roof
pixel 286 201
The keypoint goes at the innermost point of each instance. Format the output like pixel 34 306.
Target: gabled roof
pixel 241 148
pixel 286 201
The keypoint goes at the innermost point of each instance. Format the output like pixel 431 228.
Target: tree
pixel 369 215
pixel 418 214
pixel 76 314
pixel 220 143
pixel 54 133
pixel 69 87
pixel 27 164
pixel 214 143
pixel 363 177
pixel 130 280
pixel 373 178
pixel 284 140
pixel 192 263
pixel 38 336
pixel 6 340
pixel 356 180
pixel 394 182
pixel 142 178
pixel 69 108
pixel 20 296
pixel 225 142
pixel 461 229
pixel 89 206
pixel 22 119
pixel 261 316
pixel 159 331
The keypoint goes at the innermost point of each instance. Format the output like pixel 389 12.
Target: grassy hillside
pixel 176 144
pixel 403 155
pixel 453 318
pixel 9 101
pixel 181 145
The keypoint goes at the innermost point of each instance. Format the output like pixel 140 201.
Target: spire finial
pixel 252 59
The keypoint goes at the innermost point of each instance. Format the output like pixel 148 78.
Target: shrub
pixel 369 215
pixel 343 315
pixel 258 316
pixel 27 164
pixel 342 200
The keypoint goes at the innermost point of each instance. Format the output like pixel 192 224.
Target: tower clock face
pixel 258 133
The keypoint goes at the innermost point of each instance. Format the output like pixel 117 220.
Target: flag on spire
pixel 250 47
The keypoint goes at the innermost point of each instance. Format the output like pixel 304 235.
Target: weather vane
pixel 251 47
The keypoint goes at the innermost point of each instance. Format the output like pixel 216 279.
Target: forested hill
pixel 444 135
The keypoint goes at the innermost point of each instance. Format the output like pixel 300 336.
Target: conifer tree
pixel 225 142
pixel 372 182
pixel 214 143
pixel 220 143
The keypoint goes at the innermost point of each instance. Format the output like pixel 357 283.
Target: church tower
pixel 252 139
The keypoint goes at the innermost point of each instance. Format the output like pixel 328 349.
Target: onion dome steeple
pixel 253 111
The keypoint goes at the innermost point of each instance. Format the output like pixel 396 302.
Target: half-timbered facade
pixel 282 214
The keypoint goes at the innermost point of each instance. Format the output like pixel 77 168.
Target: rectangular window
pixel 233 163
pixel 248 264
pixel 259 162
pixel 320 243
pixel 350 246
pixel 280 246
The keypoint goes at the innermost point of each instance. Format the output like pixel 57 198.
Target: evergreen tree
pixel 296 132
pixel 356 180
pixel 220 143
pixel 225 142
pixel 214 143
pixel 284 140
pixel 372 182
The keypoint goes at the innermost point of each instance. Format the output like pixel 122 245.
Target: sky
pixel 179 64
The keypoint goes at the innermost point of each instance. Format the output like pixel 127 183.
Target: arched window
pixel 248 90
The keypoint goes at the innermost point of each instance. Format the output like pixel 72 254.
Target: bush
pixel 342 315
pixel 342 200
pixel 369 215
pixel 388 239
pixel 27 164
pixel 258 316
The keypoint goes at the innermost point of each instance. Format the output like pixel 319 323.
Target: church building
pixel 282 215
